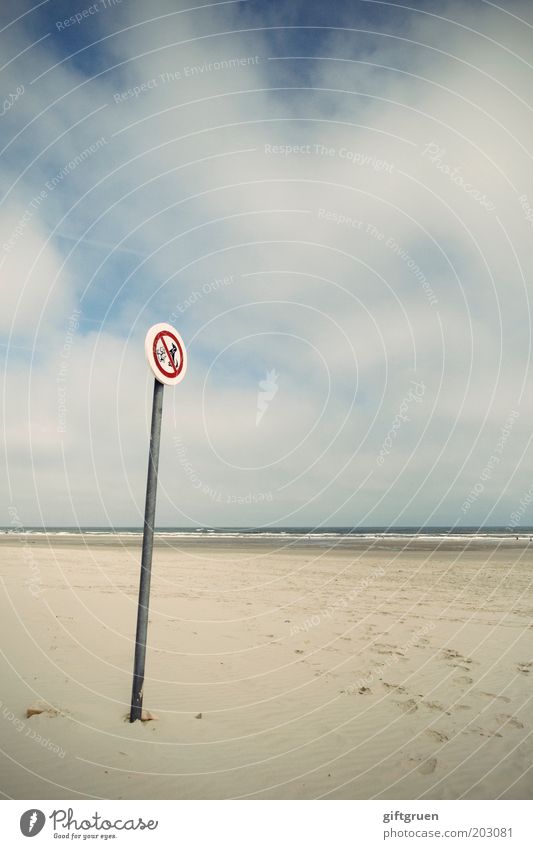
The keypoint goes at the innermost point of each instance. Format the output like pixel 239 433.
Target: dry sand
pixel 275 673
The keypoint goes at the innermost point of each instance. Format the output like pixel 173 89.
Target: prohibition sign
pixel 167 358
pixel 166 353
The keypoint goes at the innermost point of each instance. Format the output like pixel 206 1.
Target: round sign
pixel 166 354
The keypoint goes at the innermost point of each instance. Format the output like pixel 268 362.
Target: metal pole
pixel 146 560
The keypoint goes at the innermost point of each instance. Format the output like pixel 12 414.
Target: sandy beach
pixel 370 670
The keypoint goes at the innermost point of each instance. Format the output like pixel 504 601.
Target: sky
pixel 332 203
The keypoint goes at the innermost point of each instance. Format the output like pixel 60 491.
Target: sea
pixel 331 534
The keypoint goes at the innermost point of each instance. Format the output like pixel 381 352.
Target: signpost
pixel 167 358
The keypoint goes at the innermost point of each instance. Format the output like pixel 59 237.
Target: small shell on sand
pixel 148 716
pixel 35 710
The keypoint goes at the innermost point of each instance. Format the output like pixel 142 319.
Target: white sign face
pixel 166 354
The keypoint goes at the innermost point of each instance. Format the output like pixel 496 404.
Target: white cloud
pixel 185 188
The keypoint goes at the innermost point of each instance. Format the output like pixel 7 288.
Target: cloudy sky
pixel 332 202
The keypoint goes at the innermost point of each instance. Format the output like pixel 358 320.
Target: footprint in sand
pixel 408 706
pixel 427 767
pixel 450 654
pixel 423 765
pixel 436 707
pixel 439 736
pixel 461 666
pixel 351 691
pixel 505 719
pixel 397 687
pixel 387 648
pixel 387 651
pixel 482 732
pixel 524 667
pixel 463 680
pixel 494 696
